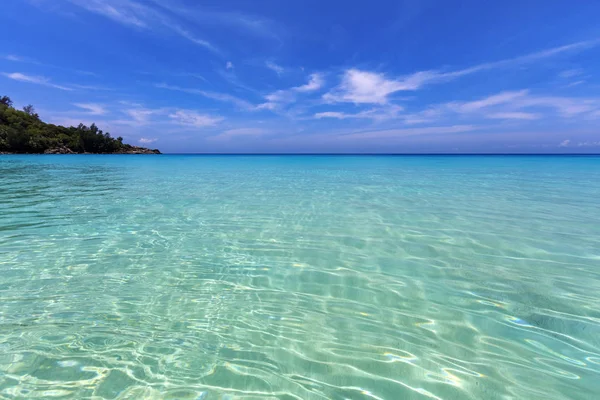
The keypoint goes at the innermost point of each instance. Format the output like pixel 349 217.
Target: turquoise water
pixel 185 277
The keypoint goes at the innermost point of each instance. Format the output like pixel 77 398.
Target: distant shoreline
pixel 148 151
pixel 63 151
pixel 23 132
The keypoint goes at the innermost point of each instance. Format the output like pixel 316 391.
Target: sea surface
pixel 299 277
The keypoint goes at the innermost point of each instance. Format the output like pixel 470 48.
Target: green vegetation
pixel 24 132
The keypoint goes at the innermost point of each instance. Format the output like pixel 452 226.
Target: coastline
pixel 67 151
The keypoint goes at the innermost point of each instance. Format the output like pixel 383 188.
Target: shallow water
pixel 186 277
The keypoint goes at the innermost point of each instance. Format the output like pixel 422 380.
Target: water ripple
pixel 299 278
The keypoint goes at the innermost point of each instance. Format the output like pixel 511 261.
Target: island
pixel 23 132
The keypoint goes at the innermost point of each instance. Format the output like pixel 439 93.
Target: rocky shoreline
pixel 66 150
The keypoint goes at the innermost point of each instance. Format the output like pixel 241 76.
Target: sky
pixel 267 76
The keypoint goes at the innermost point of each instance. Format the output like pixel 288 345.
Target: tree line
pixel 22 131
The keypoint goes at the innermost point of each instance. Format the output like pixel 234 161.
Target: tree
pixel 29 109
pixel 6 101
pixel 22 131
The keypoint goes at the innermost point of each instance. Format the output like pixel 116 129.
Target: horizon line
pixel 384 154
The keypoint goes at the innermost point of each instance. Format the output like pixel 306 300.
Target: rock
pixel 138 150
pixel 59 150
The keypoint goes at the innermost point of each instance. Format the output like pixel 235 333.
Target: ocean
pixel 299 277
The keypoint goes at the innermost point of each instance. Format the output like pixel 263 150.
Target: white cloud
pixel 141 116
pixel 245 132
pixel 333 114
pixel 576 83
pixel 315 82
pixel 514 115
pixel 243 104
pixel 426 116
pixel 190 36
pixel 378 114
pixel 194 119
pixel 279 70
pixel 249 24
pixel 147 140
pixel 90 87
pixel 569 73
pixel 567 107
pixel 282 97
pixel 12 57
pixel 15 58
pixel 124 12
pixel 497 99
pixel 588 144
pixel 539 55
pixel 92 108
pixel 137 15
pixel 398 133
pixel 367 87
pixel 564 143
pixel 229 65
pixel 239 133
pixel 38 80
pixel 230 76
pixel 267 106
pixel 510 105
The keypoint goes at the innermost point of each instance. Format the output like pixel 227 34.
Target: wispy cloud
pixel 224 97
pixel 191 37
pixel 377 114
pixel 141 116
pixel 147 140
pixel 588 144
pixel 564 143
pixel 27 60
pixel 279 70
pixel 494 100
pixel 90 87
pixel 509 105
pixel 232 20
pixel 140 16
pixel 576 83
pixel 359 86
pixel 531 57
pixel 38 80
pixel 197 76
pixel 194 119
pixel 92 108
pixel 12 57
pixel 570 73
pixel 229 65
pixel 514 115
pixel 122 11
pixel 315 82
pixel 230 76
pixel 282 97
pixel 400 133
pixel 240 133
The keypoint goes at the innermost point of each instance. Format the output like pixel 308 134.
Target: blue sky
pixel 403 76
